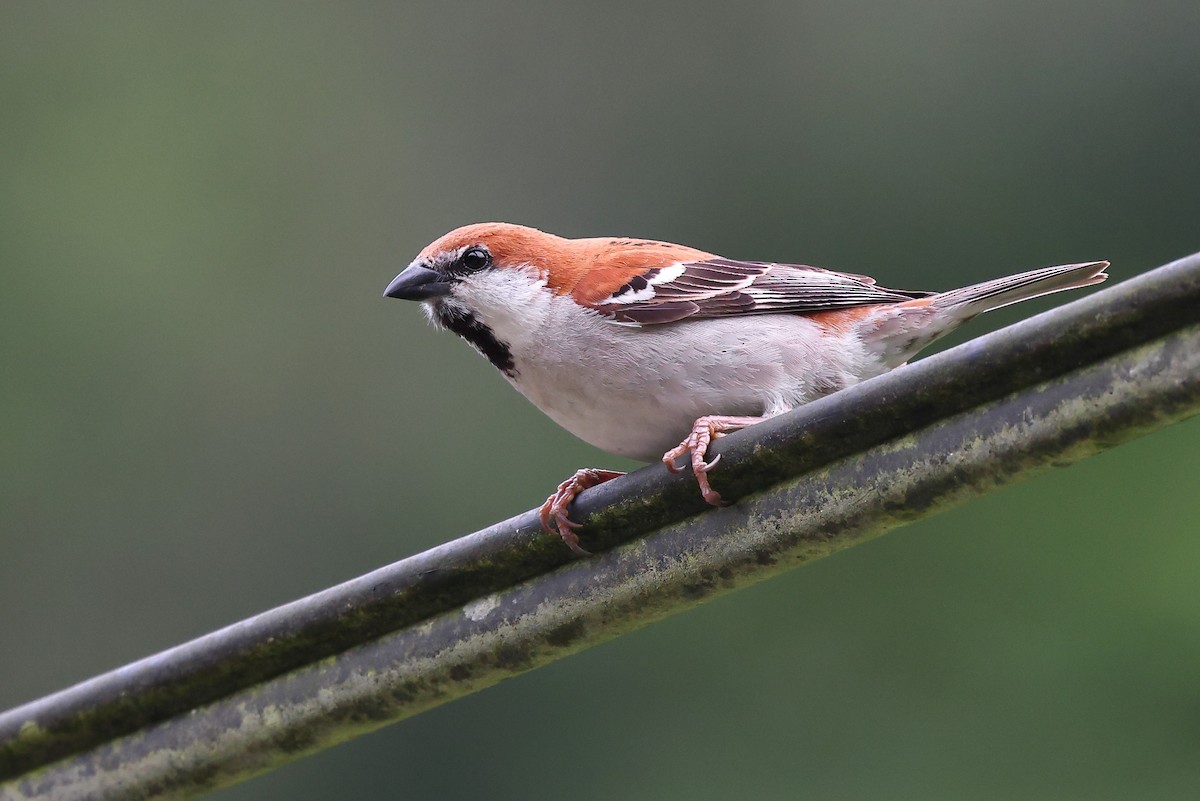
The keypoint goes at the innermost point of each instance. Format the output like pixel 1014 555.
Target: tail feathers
pixel 976 299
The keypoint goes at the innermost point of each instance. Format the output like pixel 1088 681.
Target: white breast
pixel 635 391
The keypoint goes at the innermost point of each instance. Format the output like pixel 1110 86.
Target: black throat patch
pixel 467 326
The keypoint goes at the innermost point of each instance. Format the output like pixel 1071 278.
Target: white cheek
pixel 512 302
pixel 428 308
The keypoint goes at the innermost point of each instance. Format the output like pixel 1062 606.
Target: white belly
pixel 637 391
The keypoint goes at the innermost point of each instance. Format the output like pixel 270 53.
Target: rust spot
pixel 843 320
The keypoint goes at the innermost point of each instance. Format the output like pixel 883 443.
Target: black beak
pixel 417 283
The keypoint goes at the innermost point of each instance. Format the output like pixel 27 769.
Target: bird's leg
pixel 704 431
pixel 555 507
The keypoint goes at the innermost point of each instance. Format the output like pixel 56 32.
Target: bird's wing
pixel 719 287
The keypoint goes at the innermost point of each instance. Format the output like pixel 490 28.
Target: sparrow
pixel 652 350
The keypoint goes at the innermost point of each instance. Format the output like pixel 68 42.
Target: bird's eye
pixel 475 259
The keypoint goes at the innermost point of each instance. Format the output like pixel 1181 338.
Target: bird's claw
pixel 553 512
pixel 695 447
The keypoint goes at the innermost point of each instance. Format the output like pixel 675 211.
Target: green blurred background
pixel 208 410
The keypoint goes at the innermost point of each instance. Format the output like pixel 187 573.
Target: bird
pixel 651 350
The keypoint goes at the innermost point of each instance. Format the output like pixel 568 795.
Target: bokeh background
pixel 207 409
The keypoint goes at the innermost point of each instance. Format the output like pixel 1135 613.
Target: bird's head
pixel 467 257
pixel 497 284
pixel 483 281
pixel 471 263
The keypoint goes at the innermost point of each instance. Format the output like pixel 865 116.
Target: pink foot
pixel 555 508
pixel 704 431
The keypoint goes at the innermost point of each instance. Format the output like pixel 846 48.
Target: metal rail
pixel 450 621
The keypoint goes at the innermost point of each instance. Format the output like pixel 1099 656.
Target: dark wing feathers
pixel 723 288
